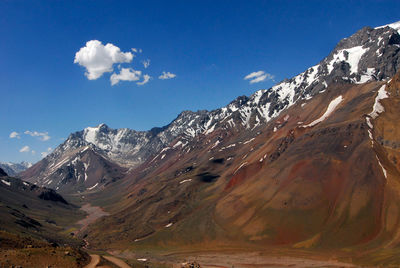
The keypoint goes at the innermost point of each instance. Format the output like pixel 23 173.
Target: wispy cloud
pixel 146 78
pixel 15 135
pixel 44 154
pixel 146 63
pixel 99 59
pixel 136 50
pixel 166 75
pixel 259 76
pixel 24 149
pixel 43 136
pixel 126 74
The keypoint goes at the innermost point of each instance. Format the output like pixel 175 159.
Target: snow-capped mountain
pixel 371 54
pixel 12 169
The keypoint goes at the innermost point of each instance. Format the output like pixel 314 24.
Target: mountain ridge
pixel 359 58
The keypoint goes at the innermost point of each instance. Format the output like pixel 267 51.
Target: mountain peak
pixel 394 25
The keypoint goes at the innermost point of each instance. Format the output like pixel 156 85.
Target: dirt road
pixel 95 260
pixel 117 261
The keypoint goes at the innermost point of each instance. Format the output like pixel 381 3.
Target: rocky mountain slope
pixel 368 55
pixel 323 175
pixel 24 207
pixel 33 225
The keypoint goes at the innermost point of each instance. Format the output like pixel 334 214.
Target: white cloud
pixel 262 78
pixel 24 149
pixel 126 74
pixel 146 63
pixel 14 135
pixel 136 50
pixel 166 75
pixel 44 154
pixel 254 74
pixel 99 59
pixel 259 76
pixel 146 78
pixel 43 136
pixel 33 152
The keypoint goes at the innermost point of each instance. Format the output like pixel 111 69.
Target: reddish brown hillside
pixel 299 182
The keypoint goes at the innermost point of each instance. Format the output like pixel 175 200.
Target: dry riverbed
pixel 94 213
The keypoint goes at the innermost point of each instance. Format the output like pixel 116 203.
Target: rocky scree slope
pixel 33 227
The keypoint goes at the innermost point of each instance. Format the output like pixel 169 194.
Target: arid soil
pixel 240 258
pixel 255 259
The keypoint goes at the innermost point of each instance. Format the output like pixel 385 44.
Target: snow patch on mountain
pixel 94 186
pixel 383 169
pixel 331 107
pixel 6 182
pixel 351 55
pixel 378 108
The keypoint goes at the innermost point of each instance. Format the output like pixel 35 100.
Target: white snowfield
pixel 331 107
pixel 354 55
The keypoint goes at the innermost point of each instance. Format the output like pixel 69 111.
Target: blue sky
pixel 209 45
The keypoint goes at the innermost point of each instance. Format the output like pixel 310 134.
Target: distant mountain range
pixel 13 169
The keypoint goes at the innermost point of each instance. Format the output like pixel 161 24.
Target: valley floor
pixel 239 258
pixel 230 259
